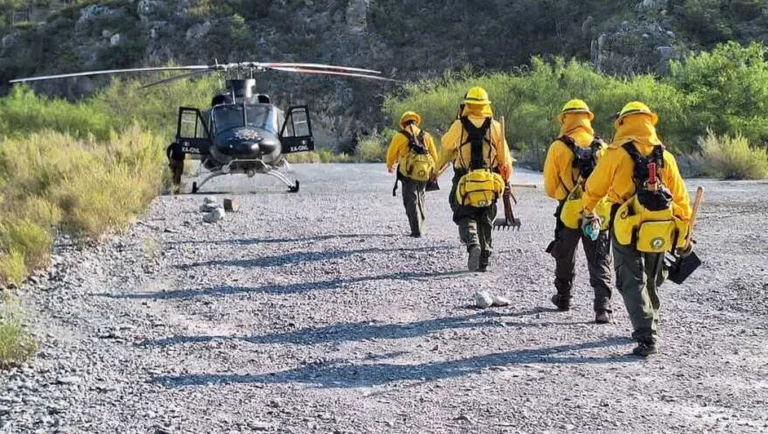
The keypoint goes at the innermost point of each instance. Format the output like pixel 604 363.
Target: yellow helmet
pixel 636 107
pixel 476 95
pixel 576 106
pixel 410 116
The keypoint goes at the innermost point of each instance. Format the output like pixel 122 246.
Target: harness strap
pixel 641 174
pixel 476 137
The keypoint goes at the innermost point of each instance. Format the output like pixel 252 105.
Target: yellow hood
pixel 637 128
pixel 578 126
pixel 477 110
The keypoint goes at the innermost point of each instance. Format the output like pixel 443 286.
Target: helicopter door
pixel 192 132
pixel 296 134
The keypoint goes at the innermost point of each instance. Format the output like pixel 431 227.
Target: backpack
pixel 584 159
pixel 419 165
pixel 479 187
pixel 647 219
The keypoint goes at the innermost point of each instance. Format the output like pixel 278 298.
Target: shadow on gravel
pixel 253 241
pixel 291 288
pixel 359 331
pixel 342 374
pixel 295 258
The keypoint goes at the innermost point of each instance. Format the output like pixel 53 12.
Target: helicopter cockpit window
pixel 226 117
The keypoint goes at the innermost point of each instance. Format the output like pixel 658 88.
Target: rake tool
pixel 509 220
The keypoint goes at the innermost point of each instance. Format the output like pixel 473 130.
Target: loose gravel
pixel 316 313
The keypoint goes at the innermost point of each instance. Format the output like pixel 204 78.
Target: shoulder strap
pixel 640 171
pixel 568 141
pixel 476 136
pixel 597 143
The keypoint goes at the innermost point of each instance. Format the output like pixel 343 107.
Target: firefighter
pixel 415 152
pixel 570 160
pixel 651 210
pixel 482 165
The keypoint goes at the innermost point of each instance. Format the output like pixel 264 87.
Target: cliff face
pixel 405 40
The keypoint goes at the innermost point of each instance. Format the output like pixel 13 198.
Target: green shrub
pixel 16 345
pixel 726 90
pixel 371 150
pixel 733 158
pixel 90 188
pixel 12 268
pixel 29 240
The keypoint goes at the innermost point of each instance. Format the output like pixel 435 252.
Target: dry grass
pixel 89 189
pixel 731 158
pixel 16 345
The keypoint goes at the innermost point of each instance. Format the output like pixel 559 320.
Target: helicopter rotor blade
pixel 326 72
pixel 320 66
pixel 177 77
pixel 115 71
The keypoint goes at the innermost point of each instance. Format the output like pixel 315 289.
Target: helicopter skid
pixel 262 168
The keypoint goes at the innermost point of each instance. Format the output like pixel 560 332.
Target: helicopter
pixel 242 132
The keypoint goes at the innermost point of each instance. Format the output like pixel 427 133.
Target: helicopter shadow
pixel 346 374
pixel 295 258
pixel 277 289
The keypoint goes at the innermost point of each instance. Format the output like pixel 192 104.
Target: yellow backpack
pixel 480 187
pixel 419 165
pixel 571 214
pixel 647 219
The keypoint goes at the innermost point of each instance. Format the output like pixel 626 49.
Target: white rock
pixel 69 380
pixel 483 299
pixel 214 216
pixel 501 301
pixel 208 207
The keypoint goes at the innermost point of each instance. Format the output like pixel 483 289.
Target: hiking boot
pixel 644 349
pixel 485 258
pixel 563 304
pixel 473 263
pixel 602 317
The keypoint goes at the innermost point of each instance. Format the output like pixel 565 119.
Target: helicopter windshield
pixel 231 116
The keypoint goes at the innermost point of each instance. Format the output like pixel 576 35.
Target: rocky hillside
pixel 405 40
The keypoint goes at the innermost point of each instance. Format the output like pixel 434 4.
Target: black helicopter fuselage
pixel 245 132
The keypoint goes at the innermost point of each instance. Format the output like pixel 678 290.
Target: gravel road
pixel 315 313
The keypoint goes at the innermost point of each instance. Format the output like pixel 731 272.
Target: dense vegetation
pixel 725 91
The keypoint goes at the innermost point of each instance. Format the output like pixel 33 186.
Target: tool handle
pixel 694 213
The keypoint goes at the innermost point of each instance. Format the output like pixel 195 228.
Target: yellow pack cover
pixel 571 214
pixel 479 188
pixel 650 231
pixel 419 167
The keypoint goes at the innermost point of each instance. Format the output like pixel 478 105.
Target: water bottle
pixel 592 229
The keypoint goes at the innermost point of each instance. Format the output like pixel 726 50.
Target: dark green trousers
pixel 475 224
pixel 415 202
pixel 598 255
pixel 638 278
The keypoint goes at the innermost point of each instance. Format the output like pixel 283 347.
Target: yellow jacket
pixel 452 149
pixel 613 175
pixel 399 147
pixel 559 174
